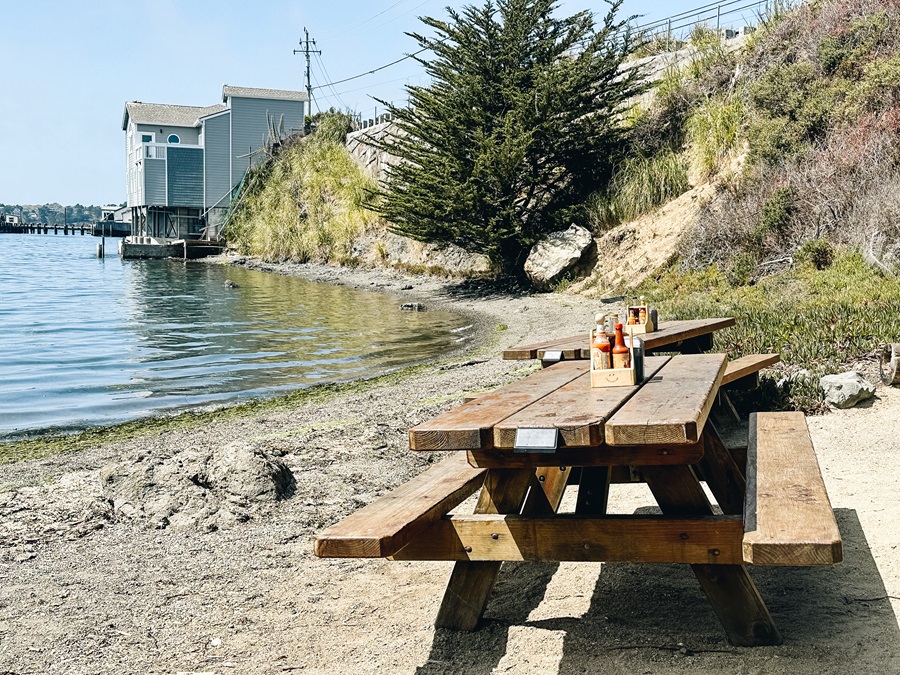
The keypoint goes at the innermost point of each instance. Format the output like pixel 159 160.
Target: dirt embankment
pixel 191 550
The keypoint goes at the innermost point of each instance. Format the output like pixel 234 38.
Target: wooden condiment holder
pixel 638 328
pixel 611 377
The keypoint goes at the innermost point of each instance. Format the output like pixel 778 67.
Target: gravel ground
pixel 190 551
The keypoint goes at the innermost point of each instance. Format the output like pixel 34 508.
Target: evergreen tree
pixel 518 126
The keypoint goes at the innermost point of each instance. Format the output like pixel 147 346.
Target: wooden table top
pixel 669 334
pixel 669 408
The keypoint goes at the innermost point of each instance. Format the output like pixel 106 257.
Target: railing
pixel 728 15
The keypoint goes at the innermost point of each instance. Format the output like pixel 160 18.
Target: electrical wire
pixel 639 28
pixel 345 29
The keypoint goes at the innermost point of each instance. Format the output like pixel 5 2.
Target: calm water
pixel 86 341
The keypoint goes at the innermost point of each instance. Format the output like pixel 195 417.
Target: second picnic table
pixel 659 426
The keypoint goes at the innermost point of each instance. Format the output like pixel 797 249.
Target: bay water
pixel 87 341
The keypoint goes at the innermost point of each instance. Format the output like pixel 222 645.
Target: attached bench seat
pixel 788 518
pixel 744 372
pixel 390 522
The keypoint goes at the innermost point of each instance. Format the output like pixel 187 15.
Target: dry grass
pixel 307 204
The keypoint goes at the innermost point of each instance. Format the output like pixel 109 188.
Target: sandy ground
pixel 227 583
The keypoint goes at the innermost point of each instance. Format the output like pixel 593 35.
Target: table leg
pixel 723 476
pixel 729 588
pixel 593 491
pixel 471 582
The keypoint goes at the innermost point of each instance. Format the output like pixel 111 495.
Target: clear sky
pixel 67 68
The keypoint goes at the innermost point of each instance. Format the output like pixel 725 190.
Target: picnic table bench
pixel 775 510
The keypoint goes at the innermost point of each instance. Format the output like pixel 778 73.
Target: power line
pixel 643 27
pixel 340 31
pixel 375 70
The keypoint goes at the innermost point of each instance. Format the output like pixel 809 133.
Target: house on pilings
pixel 185 163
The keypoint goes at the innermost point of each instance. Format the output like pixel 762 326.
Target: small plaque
pixel 536 440
pixel 555 356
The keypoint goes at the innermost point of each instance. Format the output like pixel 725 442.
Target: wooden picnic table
pixel 774 507
pixel 688 337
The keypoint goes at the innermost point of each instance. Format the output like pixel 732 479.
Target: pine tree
pixel 517 127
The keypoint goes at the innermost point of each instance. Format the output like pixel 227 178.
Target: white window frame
pixel 169 139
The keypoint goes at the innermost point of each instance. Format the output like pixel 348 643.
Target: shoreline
pixel 38 443
pixel 190 549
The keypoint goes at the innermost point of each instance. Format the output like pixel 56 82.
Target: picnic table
pixel 523 445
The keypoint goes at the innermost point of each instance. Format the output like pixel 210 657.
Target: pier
pixel 45 228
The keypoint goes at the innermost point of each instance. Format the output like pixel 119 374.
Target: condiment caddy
pixel 617 360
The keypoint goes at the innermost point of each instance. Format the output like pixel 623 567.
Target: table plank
pixel 571 537
pixel 673 406
pixel 671 335
pixel 576 409
pixel 530 352
pixel 470 426
pixel 606 455
pixel 748 365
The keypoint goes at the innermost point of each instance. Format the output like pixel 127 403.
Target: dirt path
pixel 186 552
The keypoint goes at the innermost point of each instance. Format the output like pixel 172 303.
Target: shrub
pixel 775 216
pixel 743 265
pixel 817 252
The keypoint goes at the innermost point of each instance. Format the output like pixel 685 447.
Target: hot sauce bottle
pixel 621 355
pixel 600 348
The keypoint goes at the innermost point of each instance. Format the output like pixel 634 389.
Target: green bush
pixel 817 252
pixel 775 216
pixel 791 108
pixel 878 89
pixel 743 265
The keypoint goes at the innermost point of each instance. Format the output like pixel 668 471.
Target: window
pixel 173 138
pixel 146 138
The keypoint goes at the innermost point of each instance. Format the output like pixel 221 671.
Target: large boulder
pixel 845 390
pixel 557 256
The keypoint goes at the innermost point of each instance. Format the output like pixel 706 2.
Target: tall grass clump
pixel 714 132
pixel 306 204
pixel 639 185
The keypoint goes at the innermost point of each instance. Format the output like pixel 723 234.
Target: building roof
pixel 250 92
pixel 167 115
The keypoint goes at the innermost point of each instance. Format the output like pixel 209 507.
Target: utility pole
pixel 306 51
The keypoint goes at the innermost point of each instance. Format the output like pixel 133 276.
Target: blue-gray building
pixel 184 163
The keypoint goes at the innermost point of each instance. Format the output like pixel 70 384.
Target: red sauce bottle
pixel 621 355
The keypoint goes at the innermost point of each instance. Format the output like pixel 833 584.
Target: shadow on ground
pixel 482 289
pixel 652 618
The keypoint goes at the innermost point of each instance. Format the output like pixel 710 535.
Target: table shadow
pixel 644 617
pixel 519 590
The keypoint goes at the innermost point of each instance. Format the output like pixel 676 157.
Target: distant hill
pixel 52 214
